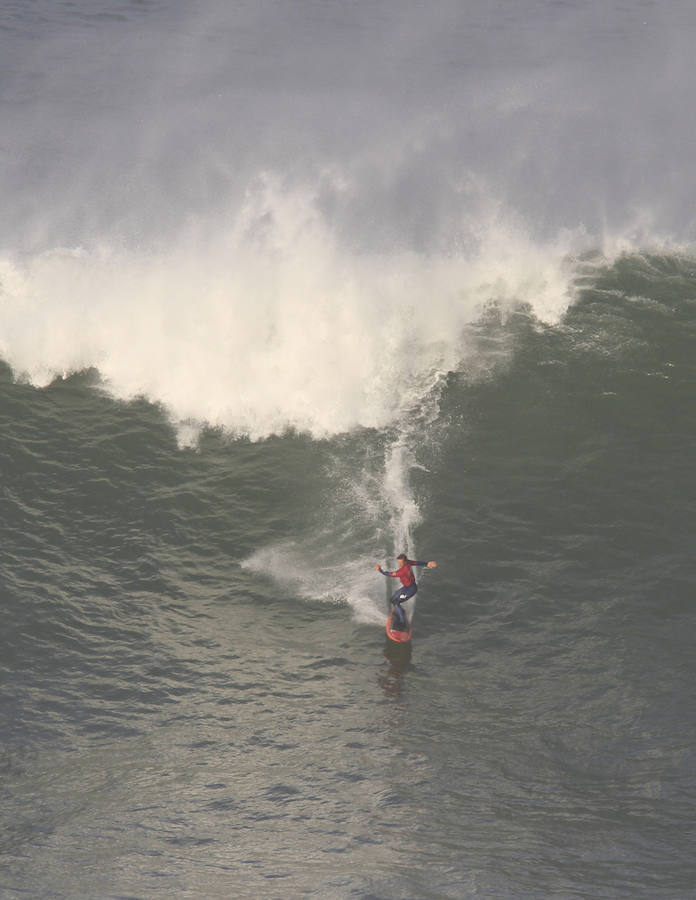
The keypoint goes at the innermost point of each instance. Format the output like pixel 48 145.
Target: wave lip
pixel 272 324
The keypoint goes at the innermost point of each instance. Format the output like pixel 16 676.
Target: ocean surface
pixel 287 289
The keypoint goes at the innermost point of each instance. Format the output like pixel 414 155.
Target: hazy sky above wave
pixel 130 120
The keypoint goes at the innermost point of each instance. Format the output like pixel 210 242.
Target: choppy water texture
pixel 177 722
pixel 253 343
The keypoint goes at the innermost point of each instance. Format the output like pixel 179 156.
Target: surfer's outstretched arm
pixel 411 562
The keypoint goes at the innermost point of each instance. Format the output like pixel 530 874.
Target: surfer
pixel 408 582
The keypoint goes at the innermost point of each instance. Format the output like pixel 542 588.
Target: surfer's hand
pixel 432 564
pixel 378 567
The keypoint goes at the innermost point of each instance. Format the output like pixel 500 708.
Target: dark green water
pixel 197 693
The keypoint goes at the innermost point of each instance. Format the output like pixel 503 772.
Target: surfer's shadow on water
pixel 397 663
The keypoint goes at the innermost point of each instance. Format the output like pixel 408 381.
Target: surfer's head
pixel 402 556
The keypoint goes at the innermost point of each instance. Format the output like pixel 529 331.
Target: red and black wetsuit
pixel 408 580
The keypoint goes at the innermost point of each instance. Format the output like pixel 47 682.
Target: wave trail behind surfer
pixel 408 582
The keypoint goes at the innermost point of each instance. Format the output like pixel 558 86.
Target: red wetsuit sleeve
pixel 404 573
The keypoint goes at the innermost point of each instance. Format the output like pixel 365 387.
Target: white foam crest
pixel 271 323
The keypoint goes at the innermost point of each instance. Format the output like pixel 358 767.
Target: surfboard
pixel 396 632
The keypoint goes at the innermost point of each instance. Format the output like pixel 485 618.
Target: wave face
pixel 195 635
pixel 285 290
